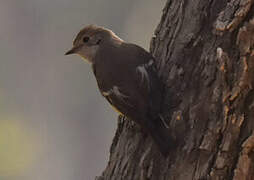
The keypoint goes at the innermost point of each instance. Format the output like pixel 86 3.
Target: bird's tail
pixel 161 135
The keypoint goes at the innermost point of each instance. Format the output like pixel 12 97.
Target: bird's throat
pixel 84 58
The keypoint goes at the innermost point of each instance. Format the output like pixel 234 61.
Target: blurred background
pixel 54 124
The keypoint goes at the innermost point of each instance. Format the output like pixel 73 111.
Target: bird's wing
pixel 131 86
pixel 150 83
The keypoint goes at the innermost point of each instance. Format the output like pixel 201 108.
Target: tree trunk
pixel 205 56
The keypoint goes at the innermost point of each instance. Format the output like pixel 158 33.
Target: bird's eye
pixel 85 39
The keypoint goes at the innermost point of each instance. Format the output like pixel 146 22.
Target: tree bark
pixel 205 54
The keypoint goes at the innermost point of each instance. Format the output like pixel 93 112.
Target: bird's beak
pixel 73 50
pixel 70 52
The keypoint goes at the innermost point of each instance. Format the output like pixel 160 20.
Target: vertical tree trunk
pixel 204 50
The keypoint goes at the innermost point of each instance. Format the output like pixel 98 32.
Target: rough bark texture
pixel 205 53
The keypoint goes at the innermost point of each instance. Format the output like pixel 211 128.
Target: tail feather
pixel 161 136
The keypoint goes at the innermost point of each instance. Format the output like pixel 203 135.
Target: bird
pixel 127 77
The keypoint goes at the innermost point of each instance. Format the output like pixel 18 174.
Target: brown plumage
pixel 127 77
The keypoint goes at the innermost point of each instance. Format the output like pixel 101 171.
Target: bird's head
pixel 90 39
